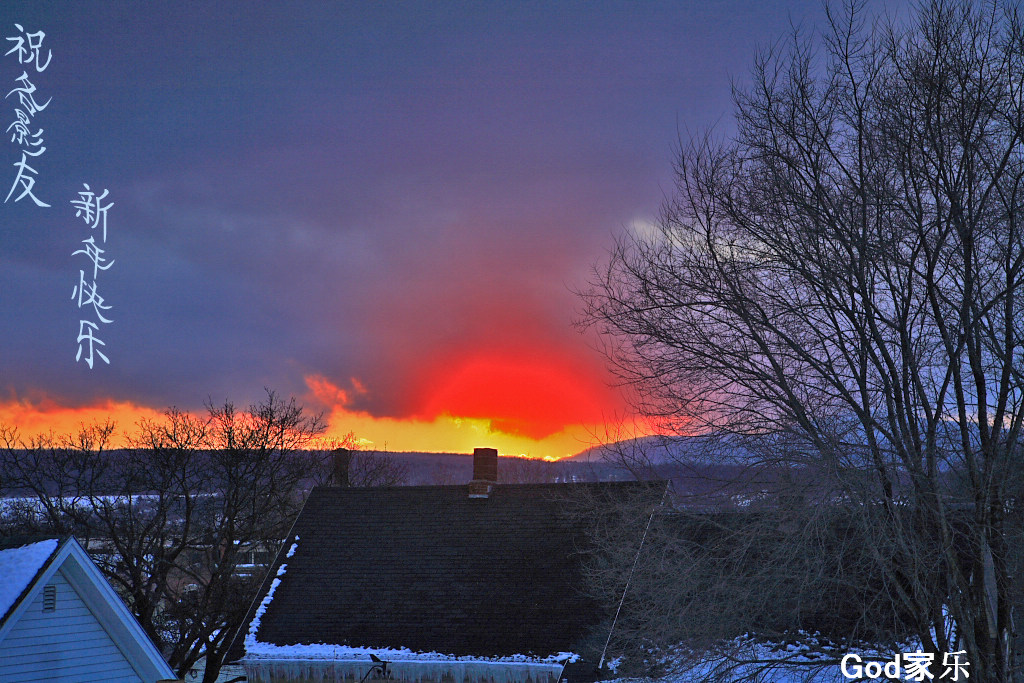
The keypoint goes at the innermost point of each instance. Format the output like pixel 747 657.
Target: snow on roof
pixel 18 567
pixel 461 670
pixel 254 627
pixel 258 650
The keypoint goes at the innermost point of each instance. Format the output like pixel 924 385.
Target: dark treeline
pixel 182 520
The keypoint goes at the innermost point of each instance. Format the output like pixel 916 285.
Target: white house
pixel 61 621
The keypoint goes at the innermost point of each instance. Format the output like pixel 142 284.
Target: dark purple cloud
pixel 353 190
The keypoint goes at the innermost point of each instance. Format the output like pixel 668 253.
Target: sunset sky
pixel 382 209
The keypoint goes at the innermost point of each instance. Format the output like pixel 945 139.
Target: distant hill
pixel 703 472
pixel 659 450
pixel 708 472
pixel 457 468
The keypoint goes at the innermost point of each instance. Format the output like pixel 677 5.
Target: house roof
pixel 28 565
pixel 430 569
pixel 20 564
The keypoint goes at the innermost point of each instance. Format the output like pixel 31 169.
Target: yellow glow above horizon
pixel 444 433
pixel 448 434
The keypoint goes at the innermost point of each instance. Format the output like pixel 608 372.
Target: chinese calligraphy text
pixel 28 50
pixel 90 207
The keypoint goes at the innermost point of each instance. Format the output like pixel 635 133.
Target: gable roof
pixel 431 569
pixel 33 565
pixel 20 564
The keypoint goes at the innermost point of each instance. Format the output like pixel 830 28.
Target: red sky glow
pixel 381 209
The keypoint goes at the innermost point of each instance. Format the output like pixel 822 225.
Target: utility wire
pixel 636 560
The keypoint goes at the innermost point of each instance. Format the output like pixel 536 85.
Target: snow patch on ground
pixel 805 659
pixel 18 566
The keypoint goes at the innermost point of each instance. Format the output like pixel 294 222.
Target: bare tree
pixel 521 470
pixel 359 468
pixel 172 521
pixel 705 585
pixel 847 272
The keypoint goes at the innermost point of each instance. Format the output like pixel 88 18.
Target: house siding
pixel 67 645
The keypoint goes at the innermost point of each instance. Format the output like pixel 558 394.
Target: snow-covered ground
pixel 805 659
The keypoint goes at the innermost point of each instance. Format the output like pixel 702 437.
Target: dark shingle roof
pixel 431 569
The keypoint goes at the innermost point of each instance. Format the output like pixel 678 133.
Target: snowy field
pixel 803 660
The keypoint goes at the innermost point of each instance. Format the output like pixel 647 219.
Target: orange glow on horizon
pixel 447 434
pixel 43 415
pixel 537 409
pixel 533 398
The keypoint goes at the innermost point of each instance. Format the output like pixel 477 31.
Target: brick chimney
pixel 342 459
pixel 485 472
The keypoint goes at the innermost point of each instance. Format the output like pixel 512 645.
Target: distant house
pixel 61 621
pixel 462 584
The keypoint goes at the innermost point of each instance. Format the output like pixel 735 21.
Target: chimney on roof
pixel 485 472
pixel 342 459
